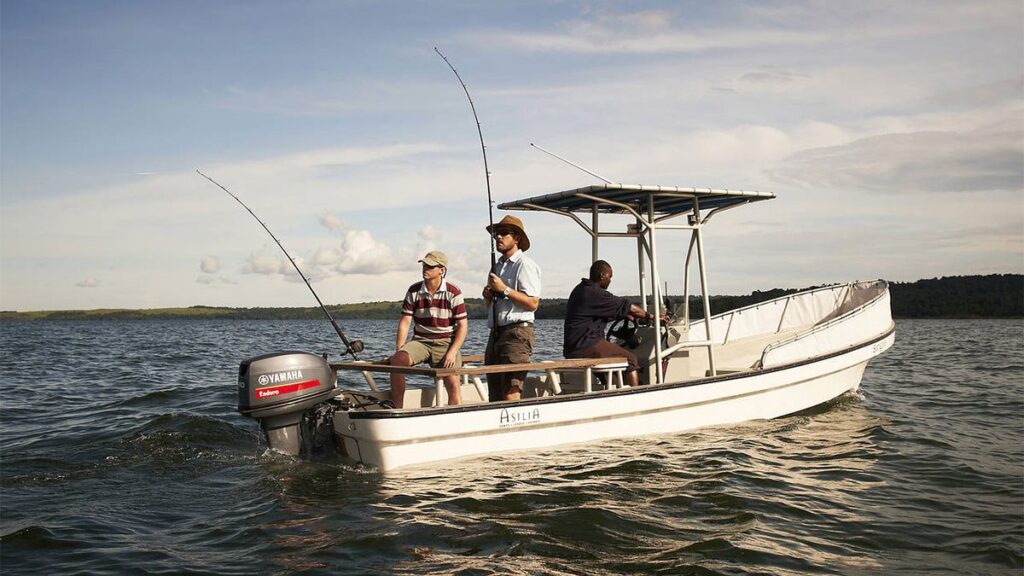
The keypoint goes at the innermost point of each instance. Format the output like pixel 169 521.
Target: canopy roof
pixel 668 200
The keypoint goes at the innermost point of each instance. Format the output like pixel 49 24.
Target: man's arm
pixel 524 300
pixel 403 331
pixel 521 299
pixel 528 279
pixel 461 329
pixel 639 313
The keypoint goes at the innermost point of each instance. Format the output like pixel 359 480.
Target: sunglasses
pixel 498 233
pixel 428 266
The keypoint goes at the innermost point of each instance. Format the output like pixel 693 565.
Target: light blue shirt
pixel 522 274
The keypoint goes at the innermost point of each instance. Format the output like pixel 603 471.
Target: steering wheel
pixel 665 330
pixel 624 330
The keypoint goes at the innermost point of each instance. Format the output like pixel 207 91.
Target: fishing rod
pixel 483 149
pixel 351 347
pixel 574 165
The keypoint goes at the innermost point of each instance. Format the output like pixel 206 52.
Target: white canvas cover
pixel 780 315
pixel 824 318
pixel 854 323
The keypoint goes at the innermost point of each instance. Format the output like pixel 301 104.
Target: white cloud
pixel 914 162
pixel 89 282
pixel 430 239
pixel 429 234
pixel 644 32
pixel 358 252
pixel 652 32
pixel 332 222
pixel 189 208
pixel 987 94
pixel 210 280
pixel 209 275
pixel 326 256
pixel 361 254
pixel 266 262
pixel 209 265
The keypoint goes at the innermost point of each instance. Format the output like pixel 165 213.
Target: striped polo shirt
pixel 434 315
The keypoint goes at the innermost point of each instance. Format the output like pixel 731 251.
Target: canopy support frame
pixel 645 232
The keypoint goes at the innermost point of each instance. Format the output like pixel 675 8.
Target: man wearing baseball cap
pixel 437 309
pixel 514 289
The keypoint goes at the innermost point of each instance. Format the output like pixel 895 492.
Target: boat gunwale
pixel 507 404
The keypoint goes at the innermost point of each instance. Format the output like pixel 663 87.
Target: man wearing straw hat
pixel 439 313
pixel 514 289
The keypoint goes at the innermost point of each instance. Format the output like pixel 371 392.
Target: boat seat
pixel 611 372
pixel 549 385
pixel 441 394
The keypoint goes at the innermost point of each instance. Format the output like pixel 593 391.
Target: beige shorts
pixel 423 350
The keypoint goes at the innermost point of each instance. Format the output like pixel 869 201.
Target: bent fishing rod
pixel 351 347
pixel 483 150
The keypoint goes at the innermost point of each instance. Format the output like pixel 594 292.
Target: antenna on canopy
pixel 574 165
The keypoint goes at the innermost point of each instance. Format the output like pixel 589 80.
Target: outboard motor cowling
pixel 278 389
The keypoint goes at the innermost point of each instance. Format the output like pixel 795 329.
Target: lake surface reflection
pixel 121 449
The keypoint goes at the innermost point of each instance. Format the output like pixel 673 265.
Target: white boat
pixel 763 361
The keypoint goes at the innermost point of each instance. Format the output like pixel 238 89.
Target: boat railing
pixel 729 323
pixel 685 344
pixel 471 371
pixel 842 317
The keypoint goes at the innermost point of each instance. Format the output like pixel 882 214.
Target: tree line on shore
pixel 989 296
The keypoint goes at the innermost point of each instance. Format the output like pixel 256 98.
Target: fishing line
pixel 351 347
pixel 483 150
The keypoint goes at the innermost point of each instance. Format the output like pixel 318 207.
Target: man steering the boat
pixel 587 313
pixel 512 295
pixel 439 312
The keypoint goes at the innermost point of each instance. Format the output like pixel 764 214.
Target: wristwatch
pixel 506 291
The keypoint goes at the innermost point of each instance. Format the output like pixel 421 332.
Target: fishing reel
pixel 354 347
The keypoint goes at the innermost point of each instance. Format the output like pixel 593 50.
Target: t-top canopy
pixel 668 200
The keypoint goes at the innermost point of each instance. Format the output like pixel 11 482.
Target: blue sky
pixel 892 133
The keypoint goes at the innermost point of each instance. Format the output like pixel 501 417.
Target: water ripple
pixel 129 453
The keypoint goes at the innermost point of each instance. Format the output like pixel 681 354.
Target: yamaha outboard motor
pixel 279 389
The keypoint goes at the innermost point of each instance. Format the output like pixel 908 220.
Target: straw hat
pixel 515 224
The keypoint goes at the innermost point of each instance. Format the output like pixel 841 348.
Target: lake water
pixel 121 452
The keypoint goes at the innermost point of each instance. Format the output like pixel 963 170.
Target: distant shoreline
pixel 952 297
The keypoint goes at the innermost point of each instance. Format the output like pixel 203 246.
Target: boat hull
pixel 389 440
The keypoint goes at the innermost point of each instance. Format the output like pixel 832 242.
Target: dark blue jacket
pixel 587 313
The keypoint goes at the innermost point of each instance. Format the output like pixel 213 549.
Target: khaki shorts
pixel 423 350
pixel 508 345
